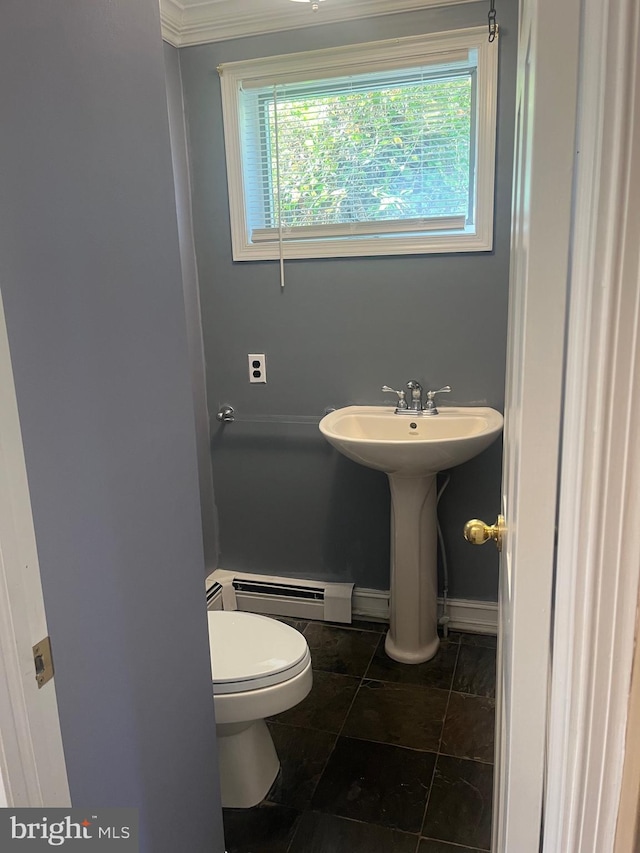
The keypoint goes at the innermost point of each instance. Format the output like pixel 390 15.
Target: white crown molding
pixel 171 13
pixel 191 23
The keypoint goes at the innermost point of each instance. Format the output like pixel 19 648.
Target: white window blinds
pixel 379 156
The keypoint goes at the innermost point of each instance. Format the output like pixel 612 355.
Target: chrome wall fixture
pixel 315 4
pixel 227 415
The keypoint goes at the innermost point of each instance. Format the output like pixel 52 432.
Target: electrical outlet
pixel 257 367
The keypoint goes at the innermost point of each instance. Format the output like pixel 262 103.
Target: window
pixel 372 149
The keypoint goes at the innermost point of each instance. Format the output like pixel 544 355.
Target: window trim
pixel 397 53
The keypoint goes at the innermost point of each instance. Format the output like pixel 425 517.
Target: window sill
pixel 366 247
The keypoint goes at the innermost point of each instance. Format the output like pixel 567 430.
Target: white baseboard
pixel 370 603
pixel 476 617
pixel 337 602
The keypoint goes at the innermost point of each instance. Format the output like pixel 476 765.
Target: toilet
pixel 260 667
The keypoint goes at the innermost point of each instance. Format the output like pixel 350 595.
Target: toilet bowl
pixel 259 667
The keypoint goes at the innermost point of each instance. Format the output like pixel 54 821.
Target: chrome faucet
pixel 416 407
pixel 416 395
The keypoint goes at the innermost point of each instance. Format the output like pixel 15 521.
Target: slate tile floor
pixel 380 757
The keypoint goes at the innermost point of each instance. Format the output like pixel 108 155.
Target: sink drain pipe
pixel 444 619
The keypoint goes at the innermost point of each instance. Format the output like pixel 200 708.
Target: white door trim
pixel 32 764
pixel 598 559
pixel 547 89
pixel 628 828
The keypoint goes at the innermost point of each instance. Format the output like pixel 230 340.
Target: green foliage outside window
pixel 393 153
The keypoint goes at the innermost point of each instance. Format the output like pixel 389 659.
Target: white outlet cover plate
pixel 260 369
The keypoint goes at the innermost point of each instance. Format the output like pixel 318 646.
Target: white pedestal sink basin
pixel 411 449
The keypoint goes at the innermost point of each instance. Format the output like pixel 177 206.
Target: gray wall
pixel 342 328
pixel 178 135
pixel 90 275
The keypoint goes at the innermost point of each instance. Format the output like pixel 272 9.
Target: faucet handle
pixel 402 403
pixel 445 390
pixel 430 407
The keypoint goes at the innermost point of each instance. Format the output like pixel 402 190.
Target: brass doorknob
pixel 477 532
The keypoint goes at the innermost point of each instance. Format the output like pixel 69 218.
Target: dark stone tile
pixel 400 714
pixel 437 672
pixel 488 640
pixel 303 754
pixel 475 671
pixel 327 704
pixel 375 783
pixel 356 624
pixel 460 804
pixel 429 846
pixel 370 625
pixel 323 833
pixel 298 624
pixel 469 727
pixel 454 637
pixel 267 828
pixel 341 650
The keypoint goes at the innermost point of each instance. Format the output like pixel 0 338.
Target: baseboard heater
pixel 299 599
pixel 330 602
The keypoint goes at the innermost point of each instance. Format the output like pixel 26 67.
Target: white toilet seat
pixel 250 652
pixel 264 702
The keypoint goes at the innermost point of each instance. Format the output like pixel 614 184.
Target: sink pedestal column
pixel 413 606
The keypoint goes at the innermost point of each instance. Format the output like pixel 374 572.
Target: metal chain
pixel 493 26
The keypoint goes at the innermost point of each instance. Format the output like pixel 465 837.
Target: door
pixel 32 766
pixel 542 206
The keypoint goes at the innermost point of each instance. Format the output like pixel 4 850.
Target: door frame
pixel 598 553
pixel 628 827
pixel 541 224
pixel 32 766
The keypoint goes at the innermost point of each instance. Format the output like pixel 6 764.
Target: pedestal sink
pixel 411 449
